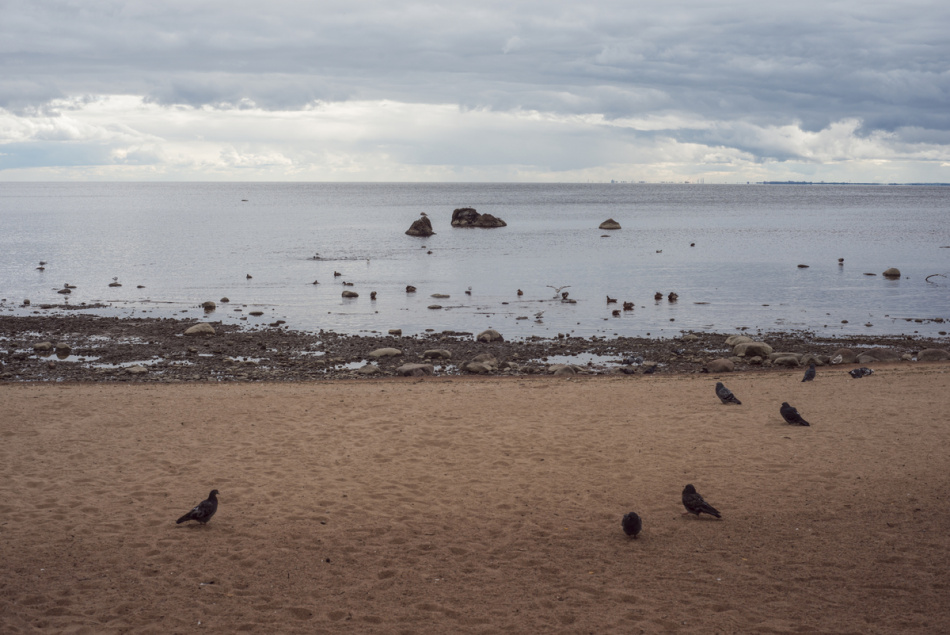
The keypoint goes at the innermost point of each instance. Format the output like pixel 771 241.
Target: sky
pixel 555 91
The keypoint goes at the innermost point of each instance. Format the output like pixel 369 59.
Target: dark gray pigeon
pixel 203 511
pixel 810 373
pixel 858 373
pixel 631 524
pixel 791 415
pixel 725 395
pixel 695 504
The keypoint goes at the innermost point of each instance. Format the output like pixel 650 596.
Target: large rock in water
pixel 893 272
pixel 420 227
pixel 609 224
pixel 468 217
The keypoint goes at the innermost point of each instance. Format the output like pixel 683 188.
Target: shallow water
pixel 186 243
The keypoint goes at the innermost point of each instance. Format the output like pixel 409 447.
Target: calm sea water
pixel 186 243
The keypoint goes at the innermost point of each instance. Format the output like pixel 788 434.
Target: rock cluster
pixel 468 217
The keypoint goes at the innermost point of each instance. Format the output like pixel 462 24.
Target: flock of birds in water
pixel 631 523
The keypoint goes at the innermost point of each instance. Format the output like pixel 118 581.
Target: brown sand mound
pixel 480 506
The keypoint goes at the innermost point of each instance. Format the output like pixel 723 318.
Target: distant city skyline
pixel 554 92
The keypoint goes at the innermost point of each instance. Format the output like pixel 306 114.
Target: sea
pixel 751 258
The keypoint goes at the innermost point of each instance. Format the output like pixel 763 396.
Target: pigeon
pixel 725 395
pixel 631 524
pixel 695 504
pixel 203 511
pixel 858 373
pixel 810 373
pixel 791 415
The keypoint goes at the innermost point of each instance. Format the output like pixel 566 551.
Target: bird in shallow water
pixel 632 525
pixel 810 373
pixel 725 395
pixel 203 511
pixel 791 416
pixel 695 504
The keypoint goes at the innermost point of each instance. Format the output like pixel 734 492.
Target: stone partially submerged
pixel 420 227
pixel 609 224
pixel 468 217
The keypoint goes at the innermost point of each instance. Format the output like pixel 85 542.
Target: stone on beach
pixel 384 352
pixel 893 272
pixel 720 365
pixel 368 369
pixel 732 340
pixel 138 369
pixel 490 335
pixel 209 306
pixel 415 370
pixel 746 349
pixel 202 328
pixel 786 360
pixel 933 355
pixel 437 353
pixel 847 356
pixel 609 224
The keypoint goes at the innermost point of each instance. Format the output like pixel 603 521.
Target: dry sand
pixel 478 505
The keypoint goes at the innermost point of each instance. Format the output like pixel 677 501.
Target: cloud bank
pixel 531 91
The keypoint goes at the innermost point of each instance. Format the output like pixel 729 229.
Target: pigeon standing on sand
pixel 810 373
pixel 203 511
pixel 695 504
pixel 631 524
pixel 791 416
pixel 725 395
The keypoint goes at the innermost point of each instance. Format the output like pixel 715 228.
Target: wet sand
pixel 478 505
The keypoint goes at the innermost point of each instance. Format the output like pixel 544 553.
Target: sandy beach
pixel 478 505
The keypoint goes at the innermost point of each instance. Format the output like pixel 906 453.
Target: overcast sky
pixel 720 91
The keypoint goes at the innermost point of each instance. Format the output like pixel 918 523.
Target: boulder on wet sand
pixel 748 349
pixel 437 353
pixel 720 365
pixel 477 368
pixel 415 370
pixel 368 369
pixel 933 355
pixel 732 340
pixel 775 356
pixel 384 352
pixel 561 370
pixel 790 361
pixel 43 347
pixel 468 217
pixel 200 329
pixel 490 335
pixel 138 369
pixel 420 227
pixel 847 356
pixel 609 224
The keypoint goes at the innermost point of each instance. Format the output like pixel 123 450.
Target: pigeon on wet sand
pixel 810 373
pixel 858 373
pixel 725 395
pixel 791 416
pixel 695 504
pixel 631 524
pixel 203 511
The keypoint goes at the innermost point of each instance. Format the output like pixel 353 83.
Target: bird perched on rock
pixel 695 504
pixel 791 416
pixel 725 395
pixel 858 373
pixel 810 373
pixel 631 524
pixel 203 511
